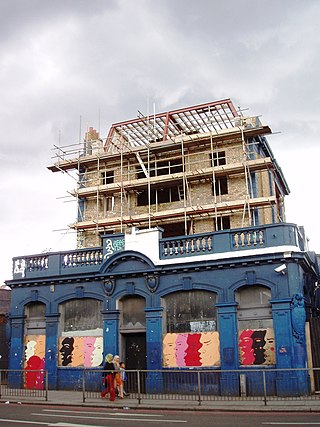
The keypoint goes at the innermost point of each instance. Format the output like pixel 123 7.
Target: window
pixel 190 311
pixel 35 318
pixel 219 158
pixel 220 187
pixel 108 204
pixel 81 315
pixel 160 195
pixel 132 312
pixel 222 223
pixel 161 167
pixel 107 177
pixel 255 325
pixel 81 333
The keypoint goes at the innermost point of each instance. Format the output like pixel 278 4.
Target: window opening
pixel 190 311
pixel 221 186
pixel 107 177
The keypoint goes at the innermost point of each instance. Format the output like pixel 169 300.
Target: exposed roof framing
pixel 210 117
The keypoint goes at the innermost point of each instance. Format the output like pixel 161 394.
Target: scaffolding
pixel 164 150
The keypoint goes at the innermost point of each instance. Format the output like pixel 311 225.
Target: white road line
pixel 114 414
pixel 109 418
pixel 23 421
pixel 282 423
pixel 71 425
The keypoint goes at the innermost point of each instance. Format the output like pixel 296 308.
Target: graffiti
pixel 113 246
pixel 35 346
pixel 118 245
pixel 191 349
pixel 257 347
pixel 19 267
pixel 80 351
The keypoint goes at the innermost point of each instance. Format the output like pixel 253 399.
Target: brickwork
pixel 104 179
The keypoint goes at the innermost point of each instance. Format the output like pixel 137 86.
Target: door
pixel 135 351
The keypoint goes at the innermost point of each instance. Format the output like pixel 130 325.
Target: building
pixel 184 258
pixel 5 295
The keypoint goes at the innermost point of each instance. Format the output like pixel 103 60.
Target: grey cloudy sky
pixel 104 60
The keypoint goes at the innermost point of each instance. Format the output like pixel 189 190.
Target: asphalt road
pixel 63 416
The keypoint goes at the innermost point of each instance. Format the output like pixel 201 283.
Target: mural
pixel 191 349
pixel 35 347
pixel 256 347
pixel 80 351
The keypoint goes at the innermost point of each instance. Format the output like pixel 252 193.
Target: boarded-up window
pixel 35 319
pixel 190 311
pixel 133 314
pixel 255 326
pixel 81 315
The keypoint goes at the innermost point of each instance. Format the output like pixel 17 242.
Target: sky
pixel 69 64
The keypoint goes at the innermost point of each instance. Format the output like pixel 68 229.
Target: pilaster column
pixel 111 331
pixel 154 337
pixel 52 350
pixel 227 316
pixel 16 352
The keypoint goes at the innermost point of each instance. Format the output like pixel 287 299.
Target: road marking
pixel 114 414
pixel 112 418
pixel 22 421
pixel 276 423
pixel 71 425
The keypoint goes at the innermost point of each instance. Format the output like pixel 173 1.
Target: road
pixel 62 416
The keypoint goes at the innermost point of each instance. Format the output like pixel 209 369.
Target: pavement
pixel 75 398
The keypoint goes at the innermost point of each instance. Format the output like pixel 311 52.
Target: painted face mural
pixel 258 343
pixel 29 348
pixel 77 354
pixel 81 351
pixel 193 355
pixel 97 353
pixel 181 349
pixel 246 350
pixel 88 345
pixel 66 350
pixel 257 347
pixel 191 349
pixel 269 348
pixel 34 361
pixel 169 350
pixel 210 349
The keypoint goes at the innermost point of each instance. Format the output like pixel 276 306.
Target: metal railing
pixel 212 385
pixel 24 383
pixel 192 385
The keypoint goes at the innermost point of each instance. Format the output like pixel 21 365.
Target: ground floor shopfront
pixel 225 314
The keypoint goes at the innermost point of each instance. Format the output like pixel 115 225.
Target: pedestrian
pixel 117 378
pixel 123 376
pixel 108 378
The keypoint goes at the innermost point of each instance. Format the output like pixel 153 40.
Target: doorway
pixel 135 351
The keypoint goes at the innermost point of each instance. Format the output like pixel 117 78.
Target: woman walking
pixel 109 378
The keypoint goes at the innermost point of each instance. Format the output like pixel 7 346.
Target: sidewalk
pixel 74 398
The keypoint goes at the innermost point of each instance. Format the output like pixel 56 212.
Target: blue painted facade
pixel 152 268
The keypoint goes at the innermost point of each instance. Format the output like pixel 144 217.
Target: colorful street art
pixel 35 347
pixel 256 347
pixel 191 349
pixel 80 351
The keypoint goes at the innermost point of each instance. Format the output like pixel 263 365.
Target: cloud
pixel 69 64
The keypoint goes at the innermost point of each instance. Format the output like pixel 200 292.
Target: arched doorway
pixel 133 331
